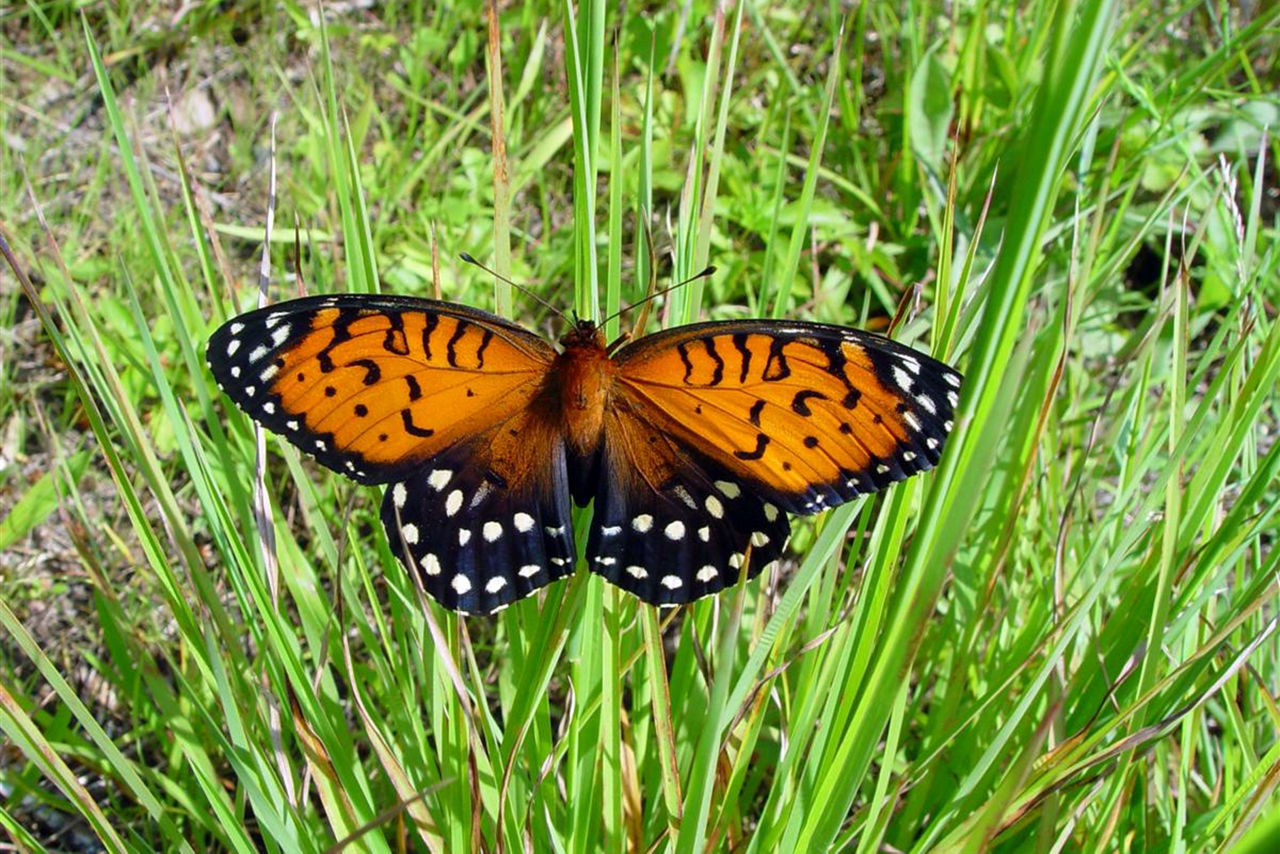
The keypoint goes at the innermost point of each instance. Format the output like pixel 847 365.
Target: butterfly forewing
pixel 806 415
pixel 371 386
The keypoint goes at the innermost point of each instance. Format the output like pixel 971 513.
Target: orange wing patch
pixel 375 386
pixel 811 415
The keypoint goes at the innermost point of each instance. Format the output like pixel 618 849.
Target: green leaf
pixel 929 110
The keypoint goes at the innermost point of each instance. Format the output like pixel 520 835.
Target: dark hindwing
pixel 479 535
pixel 670 527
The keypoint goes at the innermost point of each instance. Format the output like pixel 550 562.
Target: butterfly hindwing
pixel 487 522
pixel 374 386
pixel 808 415
pixel 670 527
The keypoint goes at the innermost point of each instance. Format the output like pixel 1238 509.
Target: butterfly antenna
pixel 524 290
pixel 702 275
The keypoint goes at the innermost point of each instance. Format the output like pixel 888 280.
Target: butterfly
pixel 694 443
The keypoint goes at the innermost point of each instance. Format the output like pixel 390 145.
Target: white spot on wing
pixel 492 531
pixel 704 534
pixel 611 530
pixel 453 503
pixel 258 353
pixel 293 425
pixel 912 421
pixel 464 536
pixel 927 403
pixel 268 407
pixel 235 370
pixel 280 335
pixel 399 495
pixel 529 570
pixel 770 512
pixel 410 533
pixel 480 494
pixel 637 572
pixel 606 561
pixel 730 490
pixel 953 399
pixel 903 379
pixel 953 380
pixel 707 573
pixel 714 507
pixel 759 539
pixel 683 494
pixel 232 346
pixel 931 442
pixel 439 478
pixel 737 559
pixel 431 564
pixel 523 522
pixel 672 582
pixel 237 328
pixel 675 530
pixel 642 523
pixel 882 468
pixel 460 584
pixel 493 585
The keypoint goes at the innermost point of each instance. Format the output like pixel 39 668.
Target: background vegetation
pixel 1062 639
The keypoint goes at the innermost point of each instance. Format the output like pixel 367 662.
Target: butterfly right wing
pixel 671 525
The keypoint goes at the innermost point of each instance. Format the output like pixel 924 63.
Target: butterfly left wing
pixel 374 386
pixel 488 522
pixel 442 401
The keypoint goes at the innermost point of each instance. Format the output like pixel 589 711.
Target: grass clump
pixel 1062 639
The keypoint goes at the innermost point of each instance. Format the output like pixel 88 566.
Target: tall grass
pixel 1062 639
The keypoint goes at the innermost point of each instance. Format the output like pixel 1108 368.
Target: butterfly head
pixel 584 334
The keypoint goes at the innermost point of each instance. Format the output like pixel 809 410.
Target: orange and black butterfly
pixel 695 443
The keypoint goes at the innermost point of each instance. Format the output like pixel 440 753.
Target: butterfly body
pixel 583 376
pixel 694 443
